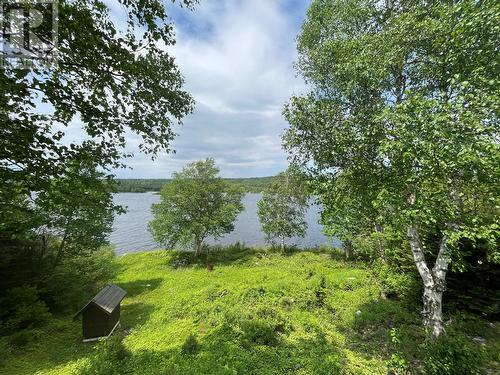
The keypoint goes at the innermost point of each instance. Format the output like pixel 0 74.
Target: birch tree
pixel 282 209
pixel 400 127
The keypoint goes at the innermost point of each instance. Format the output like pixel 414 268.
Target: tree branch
pixel 441 266
pixel 418 255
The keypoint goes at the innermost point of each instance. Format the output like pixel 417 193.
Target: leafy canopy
pixel 107 82
pixel 400 126
pixel 195 204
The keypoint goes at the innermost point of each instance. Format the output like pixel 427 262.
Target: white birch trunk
pixel 348 249
pixel 434 281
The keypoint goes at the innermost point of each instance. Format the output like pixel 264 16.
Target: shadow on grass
pixel 135 314
pixel 137 287
pixel 222 352
pixel 238 253
pixel 59 343
pixel 218 255
pixel 370 333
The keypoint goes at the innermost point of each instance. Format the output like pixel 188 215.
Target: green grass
pixel 257 312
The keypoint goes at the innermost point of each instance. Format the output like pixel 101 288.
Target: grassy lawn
pixel 255 313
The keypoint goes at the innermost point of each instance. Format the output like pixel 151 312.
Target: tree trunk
pixel 60 250
pixel 283 243
pixel 197 247
pixel 432 312
pixel 348 249
pixel 434 281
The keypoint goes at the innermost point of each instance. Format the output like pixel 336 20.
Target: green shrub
pixel 108 358
pixel 397 283
pixel 236 248
pixel 364 247
pixel 387 246
pixel 23 337
pixel 274 316
pixel 78 278
pixel 19 339
pixel 190 346
pixel 21 309
pixel 320 292
pixel 316 297
pixel 452 355
pixel 398 363
pixel 260 332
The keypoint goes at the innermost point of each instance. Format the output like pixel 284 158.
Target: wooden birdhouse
pixel 101 315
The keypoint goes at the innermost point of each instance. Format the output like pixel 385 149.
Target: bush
pixel 396 283
pixel 108 357
pixel 21 309
pixel 259 331
pixel 387 245
pixel 474 283
pixel 452 355
pixel 77 279
pixel 364 247
pixel 20 339
pixel 190 346
pixel 263 328
pixel 398 363
pixel 320 292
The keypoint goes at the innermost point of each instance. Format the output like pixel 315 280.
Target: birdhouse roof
pixel 107 299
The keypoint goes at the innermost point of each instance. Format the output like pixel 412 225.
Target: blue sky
pixel 237 59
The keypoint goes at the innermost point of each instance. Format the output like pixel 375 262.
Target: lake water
pixel 130 232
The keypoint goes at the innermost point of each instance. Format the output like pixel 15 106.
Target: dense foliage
pixel 56 206
pixel 194 205
pixel 400 129
pixel 36 288
pixel 282 208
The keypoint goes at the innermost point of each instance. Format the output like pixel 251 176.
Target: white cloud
pixel 237 58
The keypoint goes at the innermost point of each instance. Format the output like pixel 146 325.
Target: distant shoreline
pixel 149 185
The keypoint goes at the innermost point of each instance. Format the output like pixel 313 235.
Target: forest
pixel 142 185
pixel 392 130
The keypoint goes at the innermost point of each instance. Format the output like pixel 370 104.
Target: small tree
pixel 196 204
pixel 282 208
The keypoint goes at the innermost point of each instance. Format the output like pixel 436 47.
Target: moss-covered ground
pixel 257 312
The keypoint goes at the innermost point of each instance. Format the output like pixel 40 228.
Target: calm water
pixel 130 232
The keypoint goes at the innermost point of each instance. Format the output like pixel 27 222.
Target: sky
pixel 237 60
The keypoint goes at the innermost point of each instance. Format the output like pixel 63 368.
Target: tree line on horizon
pixel 143 185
